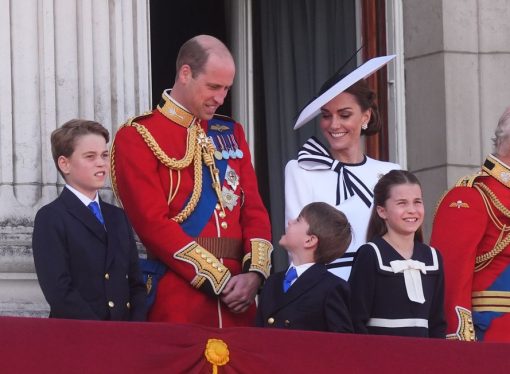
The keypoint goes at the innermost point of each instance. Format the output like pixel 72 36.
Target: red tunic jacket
pixel 472 231
pixel 146 156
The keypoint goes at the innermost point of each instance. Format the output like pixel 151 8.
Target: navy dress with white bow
pixel 394 296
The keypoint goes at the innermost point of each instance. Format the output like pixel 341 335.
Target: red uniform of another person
pixel 206 230
pixel 472 231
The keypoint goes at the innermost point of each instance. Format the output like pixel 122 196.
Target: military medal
pixel 232 178
pixel 224 151
pixel 229 198
pixel 217 154
pixel 238 151
pixel 231 151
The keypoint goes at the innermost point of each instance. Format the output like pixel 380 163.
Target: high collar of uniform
pixel 497 169
pixel 174 111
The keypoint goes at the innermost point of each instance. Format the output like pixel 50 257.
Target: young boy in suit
pixel 84 250
pixel 307 296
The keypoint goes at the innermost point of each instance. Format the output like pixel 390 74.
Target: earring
pixel 364 126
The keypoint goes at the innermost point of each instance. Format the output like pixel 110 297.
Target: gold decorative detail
pixel 148 284
pixel 175 112
pixel 491 301
pixel 203 261
pixel 459 204
pixel 220 128
pixel 216 352
pixel 499 170
pixel 224 225
pixel 490 200
pixel 198 281
pixel 261 256
pixel 465 327
pixel 247 257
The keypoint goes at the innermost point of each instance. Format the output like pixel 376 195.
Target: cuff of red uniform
pixel 211 275
pixel 465 327
pixel 259 259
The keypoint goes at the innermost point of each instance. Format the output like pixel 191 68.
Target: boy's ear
pixel 63 164
pixel 311 242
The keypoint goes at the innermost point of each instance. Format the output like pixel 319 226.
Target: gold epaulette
pixel 469 180
pixel 130 121
pixel 465 181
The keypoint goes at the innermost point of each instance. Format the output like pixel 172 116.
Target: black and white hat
pixel 314 107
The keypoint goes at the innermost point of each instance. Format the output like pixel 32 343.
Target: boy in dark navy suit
pixel 84 251
pixel 307 296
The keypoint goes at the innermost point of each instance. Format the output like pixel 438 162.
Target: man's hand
pixel 240 291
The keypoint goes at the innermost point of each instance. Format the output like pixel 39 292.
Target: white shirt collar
pixel 84 199
pixel 300 269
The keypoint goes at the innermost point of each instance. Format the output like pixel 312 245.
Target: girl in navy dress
pixel 397 282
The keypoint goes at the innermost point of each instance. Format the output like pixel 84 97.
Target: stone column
pixel 457 54
pixel 59 59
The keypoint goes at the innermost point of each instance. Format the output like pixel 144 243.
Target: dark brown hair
pixel 382 190
pixel 63 139
pixel 366 99
pixel 332 229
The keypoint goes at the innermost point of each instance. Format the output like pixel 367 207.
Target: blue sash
pixel 483 320
pixel 195 223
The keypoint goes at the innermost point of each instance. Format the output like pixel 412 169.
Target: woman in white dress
pixel 339 174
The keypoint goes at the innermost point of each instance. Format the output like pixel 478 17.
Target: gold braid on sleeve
pixel 465 328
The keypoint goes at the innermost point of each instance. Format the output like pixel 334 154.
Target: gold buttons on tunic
pixel 107 276
pixel 270 320
pixel 111 304
pixel 224 225
pixel 222 214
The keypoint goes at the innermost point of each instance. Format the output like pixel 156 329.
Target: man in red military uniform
pixel 472 231
pixel 185 179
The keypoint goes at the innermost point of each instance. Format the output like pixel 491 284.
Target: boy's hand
pixel 240 291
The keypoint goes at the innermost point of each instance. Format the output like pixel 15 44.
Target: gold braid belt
pixel 489 197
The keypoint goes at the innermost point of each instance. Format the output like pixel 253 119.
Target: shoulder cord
pixel 192 154
pixel 488 196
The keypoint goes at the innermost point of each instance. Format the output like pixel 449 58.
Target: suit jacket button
pixel 107 276
pixel 128 305
pixel 111 304
pixel 270 320
pixel 287 323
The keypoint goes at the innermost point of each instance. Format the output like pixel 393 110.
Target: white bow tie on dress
pixel 412 277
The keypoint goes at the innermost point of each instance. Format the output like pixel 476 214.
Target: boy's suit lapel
pixel 77 209
pixel 305 282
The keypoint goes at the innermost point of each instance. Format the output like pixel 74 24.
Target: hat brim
pixel 369 67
